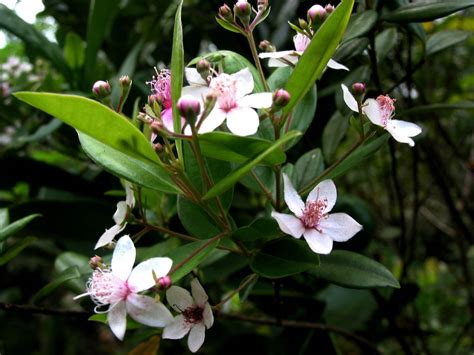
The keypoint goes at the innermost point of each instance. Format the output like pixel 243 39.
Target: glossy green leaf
pixel 385 42
pixel 231 179
pixel 441 40
pixel 308 166
pixel 460 105
pixel 349 269
pixel 426 11
pixel 195 219
pixel 284 257
pixel 334 131
pixel 317 54
pixel 66 275
pixel 229 147
pixel 201 249
pixel 140 172
pixel 228 26
pixel 360 24
pixel 177 69
pixel 74 51
pixel 16 249
pixel 260 230
pixel 16 226
pixel 70 260
pixel 351 48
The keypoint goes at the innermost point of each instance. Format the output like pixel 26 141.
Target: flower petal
pixel 196 337
pixel 336 66
pixel 179 298
pixel 340 227
pixel 349 99
pixel 289 224
pixel 325 190
pixel 207 316
pixel 292 199
pixel 243 121
pixel 260 100
pixel 177 329
pixel 402 130
pixel 117 319
pixel 167 118
pixel 141 277
pixel 109 235
pixel 199 295
pixel 279 54
pixel 244 84
pixel 371 109
pixel 123 258
pixel 213 120
pixel 193 77
pixel 130 196
pixel 146 310
pixel 282 62
pixel 121 212
pixel 319 243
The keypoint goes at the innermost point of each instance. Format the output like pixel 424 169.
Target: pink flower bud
pixel 316 13
pixel 226 13
pixel 189 107
pixel 154 98
pixel 266 46
pixel 95 262
pixel 329 8
pixel 281 97
pixel 204 68
pixel 164 283
pixel 242 8
pixel 358 89
pixel 125 81
pixel 101 89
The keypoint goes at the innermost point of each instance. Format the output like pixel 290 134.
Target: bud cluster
pixel 242 11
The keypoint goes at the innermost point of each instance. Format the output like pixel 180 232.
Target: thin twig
pixel 29 309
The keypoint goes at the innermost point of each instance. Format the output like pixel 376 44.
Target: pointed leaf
pixel 66 275
pixel 177 69
pixel 16 249
pixel 426 11
pixel 16 226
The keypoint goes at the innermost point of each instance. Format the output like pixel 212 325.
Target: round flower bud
pixel 154 98
pixel 95 262
pixel 358 89
pixel 303 24
pixel 329 8
pixel 164 283
pixel 189 107
pixel 204 68
pixel 101 89
pixel 316 13
pixel 226 13
pixel 281 97
pixel 266 46
pixel 125 81
pixel 242 8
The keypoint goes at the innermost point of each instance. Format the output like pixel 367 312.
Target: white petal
pixel 120 213
pixel 208 317
pixel 372 110
pixel 196 91
pixel 130 196
pixel 179 298
pixel 292 199
pixel 336 66
pixel 177 329
pixel 193 77
pixel 141 277
pixel 401 130
pixel 117 319
pixel 196 337
pixel 319 243
pixel 109 235
pixel 123 258
pixel 260 100
pixel 280 63
pixel 399 135
pixel 340 227
pixel 349 99
pixel 289 224
pixel 325 190
pixel 213 120
pixel 279 54
pixel 244 82
pixel 243 121
pixel 146 310
pixel 199 295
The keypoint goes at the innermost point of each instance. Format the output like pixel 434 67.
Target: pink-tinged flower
pixel 380 112
pixel 285 58
pixel 120 217
pixel 195 315
pixel 234 101
pixel 118 286
pixel 312 219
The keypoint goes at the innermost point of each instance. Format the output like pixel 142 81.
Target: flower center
pixel 161 86
pixel 226 89
pixel 106 288
pixel 193 314
pixel 301 42
pixel 386 108
pixel 313 213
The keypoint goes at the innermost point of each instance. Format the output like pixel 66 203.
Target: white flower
pixel 285 58
pixel 380 112
pixel 118 287
pixel 120 217
pixel 234 101
pixel 312 220
pixel 195 315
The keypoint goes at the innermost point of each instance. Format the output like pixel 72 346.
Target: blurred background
pixel 416 204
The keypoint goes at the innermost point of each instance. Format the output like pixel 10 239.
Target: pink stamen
pixel 226 89
pixel 106 288
pixel 161 86
pixel 313 213
pixel 386 108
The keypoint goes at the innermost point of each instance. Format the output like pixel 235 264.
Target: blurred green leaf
pixel 460 105
pixel 334 131
pixel 351 48
pixel 316 56
pixel 426 11
pixel 360 24
pixel 284 257
pixel 441 40
pixel 70 260
pixel 16 249
pixel 16 226
pixel 4 218
pixel 349 269
pixel 74 51
pixel 66 275
pixel 385 42
pixel 308 166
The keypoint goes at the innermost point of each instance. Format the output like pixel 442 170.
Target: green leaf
pixel 426 11
pixel 69 260
pixel 385 42
pixel 441 40
pixel 229 147
pixel 124 166
pixel 284 257
pixel 316 56
pixel 460 105
pixel 177 69
pixel 334 131
pixel 16 226
pixel 201 248
pixel 231 179
pixel 195 219
pixel 66 275
pixel 74 51
pixel 349 269
pixel 351 49
pixel 16 249
pixel 360 24
pixel 260 230
pixel 228 26
pixel 308 166
pixel 4 218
